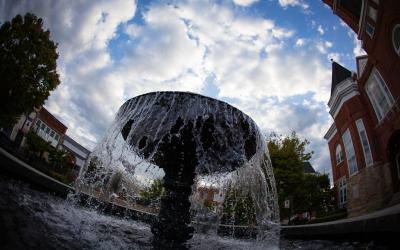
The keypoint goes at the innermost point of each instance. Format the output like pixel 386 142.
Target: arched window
pixel 396 38
pixel 339 154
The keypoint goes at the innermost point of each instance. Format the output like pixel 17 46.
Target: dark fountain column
pixel 177 156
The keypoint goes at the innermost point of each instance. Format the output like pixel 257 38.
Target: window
pixel 379 94
pixel 339 154
pixel 57 136
pixel 396 38
pixel 342 191
pixel 350 154
pixel 369 29
pixel 372 13
pixel 42 126
pixel 364 142
pixel 47 130
pixel 52 133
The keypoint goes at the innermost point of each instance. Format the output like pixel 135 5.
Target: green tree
pixel 27 67
pixel 60 158
pixel 306 192
pixel 36 144
pixel 317 194
pixel 156 190
pixel 239 209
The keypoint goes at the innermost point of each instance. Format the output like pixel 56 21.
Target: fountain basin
pixel 188 136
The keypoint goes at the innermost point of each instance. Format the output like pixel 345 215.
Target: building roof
pixel 339 73
pixel 308 169
pixel 73 145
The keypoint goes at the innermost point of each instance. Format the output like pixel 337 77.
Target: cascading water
pixel 215 168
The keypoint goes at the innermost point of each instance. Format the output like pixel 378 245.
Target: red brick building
pixel 49 127
pixel 364 140
pixel 43 123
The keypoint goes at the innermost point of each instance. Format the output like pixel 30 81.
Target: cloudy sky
pixel 269 58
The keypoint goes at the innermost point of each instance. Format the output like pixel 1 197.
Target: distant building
pixel 43 123
pixel 308 169
pixel 81 153
pixel 211 196
pixel 364 140
pixel 49 128
pixel 23 125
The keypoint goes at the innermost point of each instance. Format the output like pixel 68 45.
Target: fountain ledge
pixel 380 225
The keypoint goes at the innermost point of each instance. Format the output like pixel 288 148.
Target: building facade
pixel 49 128
pixel 80 153
pixel 364 140
pixel 43 123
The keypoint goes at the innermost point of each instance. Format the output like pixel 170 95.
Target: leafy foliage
pixel 238 208
pixel 27 67
pixel 156 190
pixel 306 192
pixel 36 144
pixel 60 158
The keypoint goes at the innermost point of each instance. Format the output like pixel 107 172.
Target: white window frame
pixel 350 153
pixel 396 27
pixel 369 161
pixel 376 78
pixel 342 189
pixel 339 154
pixel 372 13
pixel 42 132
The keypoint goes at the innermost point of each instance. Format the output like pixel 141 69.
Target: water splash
pixel 177 136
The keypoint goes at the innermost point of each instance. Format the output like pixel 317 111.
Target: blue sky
pixel 269 58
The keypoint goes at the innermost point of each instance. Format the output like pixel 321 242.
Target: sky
pixel 269 58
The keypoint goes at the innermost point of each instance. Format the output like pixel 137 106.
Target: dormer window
pixel 396 38
pixel 339 154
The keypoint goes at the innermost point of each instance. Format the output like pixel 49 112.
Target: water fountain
pixel 187 138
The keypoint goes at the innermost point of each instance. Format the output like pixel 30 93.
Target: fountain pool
pixel 31 219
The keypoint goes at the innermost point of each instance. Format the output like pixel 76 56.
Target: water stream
pixel 195 146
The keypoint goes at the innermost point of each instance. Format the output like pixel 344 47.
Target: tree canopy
pixel 156 190
pixel 306 192
pixel 28 62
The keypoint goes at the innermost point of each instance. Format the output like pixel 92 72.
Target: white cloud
pixel 300 42
pixel 328 44
pixel 245 3
pixel 320 29
pixel 82 29
pixel 177 48
pixel 293 3
pixel 323 46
